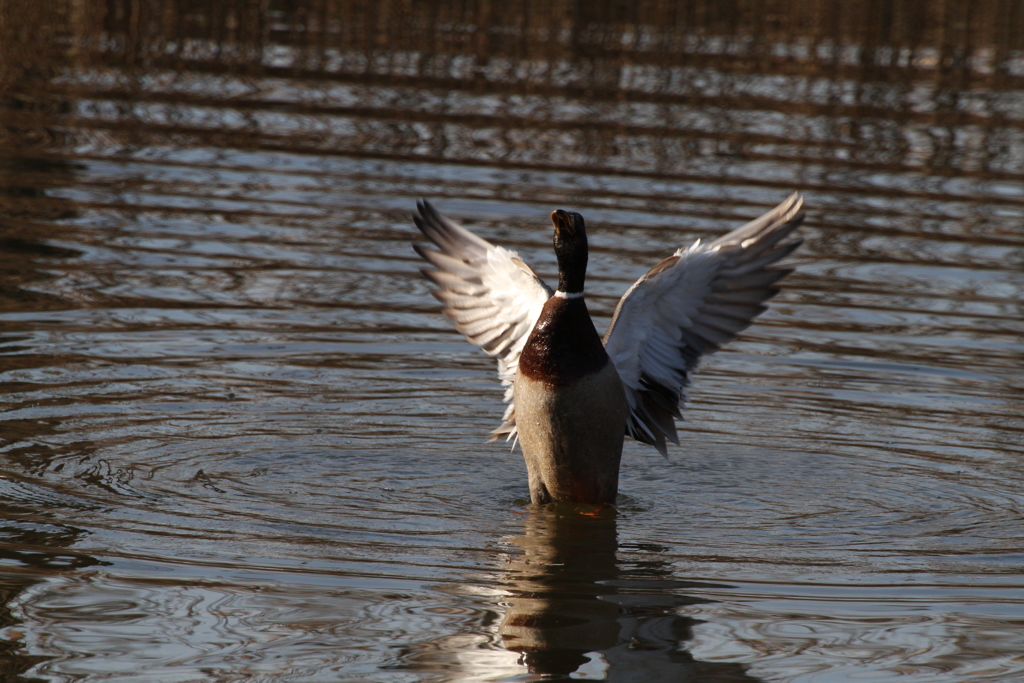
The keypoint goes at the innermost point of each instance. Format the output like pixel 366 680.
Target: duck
pixel 572 395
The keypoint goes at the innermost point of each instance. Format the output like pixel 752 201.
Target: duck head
pixel 570 250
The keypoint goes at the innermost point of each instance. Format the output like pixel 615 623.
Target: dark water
pixel 239 442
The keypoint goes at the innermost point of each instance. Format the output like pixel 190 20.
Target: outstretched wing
pixel 488 292
pixel 689 305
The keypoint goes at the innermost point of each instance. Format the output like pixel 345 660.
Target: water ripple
pixel 239 441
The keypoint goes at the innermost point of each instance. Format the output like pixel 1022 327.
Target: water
pixel 239 442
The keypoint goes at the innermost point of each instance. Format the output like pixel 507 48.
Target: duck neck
pixel 572 273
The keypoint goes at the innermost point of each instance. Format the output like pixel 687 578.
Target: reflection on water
pixel 569 608
pixel 572 608
pixel 239 442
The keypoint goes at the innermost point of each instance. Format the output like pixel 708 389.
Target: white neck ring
pixel 569 295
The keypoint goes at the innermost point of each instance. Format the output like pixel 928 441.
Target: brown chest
pixel 564 345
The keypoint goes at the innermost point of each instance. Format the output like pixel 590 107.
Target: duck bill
pixel 562 221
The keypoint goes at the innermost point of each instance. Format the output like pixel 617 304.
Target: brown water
pixel 239 442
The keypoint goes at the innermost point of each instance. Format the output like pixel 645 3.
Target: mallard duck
pixel 572 395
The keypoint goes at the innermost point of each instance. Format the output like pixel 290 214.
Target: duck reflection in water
pixel 574 611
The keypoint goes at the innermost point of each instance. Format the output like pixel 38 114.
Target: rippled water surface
pixel 239 442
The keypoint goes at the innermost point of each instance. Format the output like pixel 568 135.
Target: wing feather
pixel 490 294
pixel 689 305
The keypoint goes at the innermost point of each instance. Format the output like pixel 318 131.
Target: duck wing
pixel 689 305
pixel 490 294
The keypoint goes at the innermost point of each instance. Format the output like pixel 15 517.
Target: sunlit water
pixel 239 442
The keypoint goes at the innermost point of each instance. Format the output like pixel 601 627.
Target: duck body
pixel 572 395
pixel 571 408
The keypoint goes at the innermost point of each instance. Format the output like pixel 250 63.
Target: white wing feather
pixel 689 305
pixel 488 292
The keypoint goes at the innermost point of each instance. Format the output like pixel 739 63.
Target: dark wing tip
pixel 421 209
pixel 422 251
pixel 427 215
